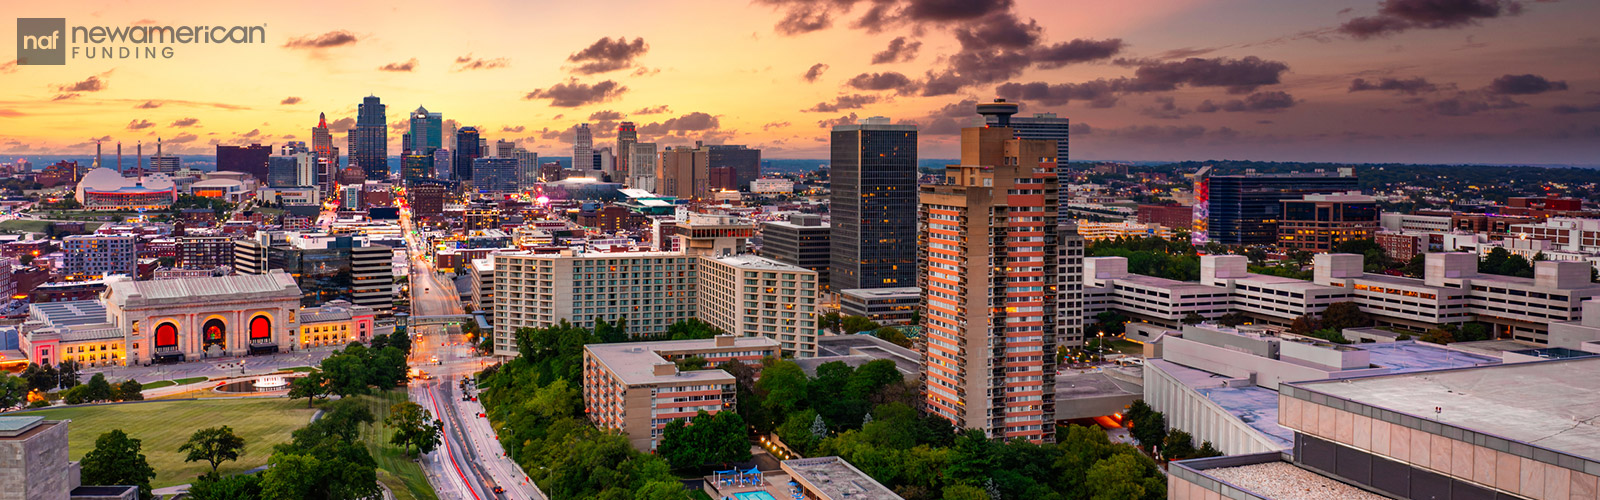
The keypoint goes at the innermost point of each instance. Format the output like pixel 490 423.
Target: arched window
pixel 260 328
pixel 167 335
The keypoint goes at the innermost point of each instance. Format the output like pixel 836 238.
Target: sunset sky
pixel 1473 81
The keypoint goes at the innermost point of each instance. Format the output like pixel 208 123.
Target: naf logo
pixel 41 41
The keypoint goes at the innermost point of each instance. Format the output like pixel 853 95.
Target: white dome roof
pixel 105 179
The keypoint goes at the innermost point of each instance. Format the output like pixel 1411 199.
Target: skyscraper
pixel 369 146
pixel 443 168
pixel 627 135
pixel 495 174
pixel 873 205
pixel 1046 126
pixel 642 166
pixel 327 158
pixel 1245 209
pixel 415 167
pixel 250 159
pixel 583 149
pixel 426 129
pixel 989 280
pixel 745 162
pixel 684 173
pixel 466 150
pixel 527 168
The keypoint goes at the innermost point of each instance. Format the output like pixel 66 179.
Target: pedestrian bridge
pixel 437 319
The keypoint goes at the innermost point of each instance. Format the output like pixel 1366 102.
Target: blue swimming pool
pixel 754 495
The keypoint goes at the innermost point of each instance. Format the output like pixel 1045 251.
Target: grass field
pixel 163 426
pixel 37 226
pixel 305 369
pixel 165 383
pixel 403 476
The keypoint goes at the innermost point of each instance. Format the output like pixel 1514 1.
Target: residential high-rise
pixel 988 243
pixel 250 159
pixel 786 310
pixel 426 132
pixel 495 174
pixel 745 162
pixel 1244 209
pixel 627 135
pixel 327 157
pixel 636 389
pixel 802 240
pixel 467 149
pixel 94 256
pixel 527 168
pixel 651 290
pixel 1046 126
pixel 642 166
pixel 583 148
pixel 684 172
pixel 369 148
pixel 873 205
pixel 1070 312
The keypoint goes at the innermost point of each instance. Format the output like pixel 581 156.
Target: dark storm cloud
pixel 1524 85
pixel 888 80
pixel 692 122
pixel 1408 86
pixel 1239 76
pixel 1395 16
pixel 852 101
pixel 899 50
pixel 606 115
pixel 400 67
pixel 1097 91
pixel 290 100
pixel 325 40
pixel 571 94
pixel 606 54
pixel 1076 51
pixel 1257 102
pixel 815 72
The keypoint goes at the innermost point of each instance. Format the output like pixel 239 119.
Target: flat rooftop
pixel 882 293
pixel 1285 481
pixel 1256 406
pixel 1410 356
pixel 634 362
pixel 871 347
pixel 834 479
pixel 1092 384
pixel 1547 404
pixel 762 263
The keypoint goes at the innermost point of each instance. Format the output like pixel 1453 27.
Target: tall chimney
pixel 119 157
pixel 139 152
pixel 97 155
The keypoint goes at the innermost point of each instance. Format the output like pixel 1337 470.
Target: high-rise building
pixel 636 389
pixel 1244 209
pixel 583 149
pixel 684 172
pixel 627 136
pixel 204 252
pixel 745 162
pixel 495 175
pixel 1070 312
pixel 527 168
pixel 873 206
pixel 786 310
pixel 326 267
pixel 651 290
pixel 467 149
pixel 426 197
pixel 415 166
pixel 250 159
pixel 642 166
pixel 605 164
pixel 327 156
pixel 802 240
pixel 369 146
pixel 1044 126
pixel 293 170
pixel 504 148
pixel 988 241
pixel 94 256
pixel 443 168
pixel 426 132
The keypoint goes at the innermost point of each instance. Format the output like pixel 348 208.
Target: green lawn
pixel 306 369
pixel 396 470
pixel 163 426
pixel 165 383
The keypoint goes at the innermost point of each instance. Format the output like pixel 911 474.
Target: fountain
pixel 268 383
pixel 271 383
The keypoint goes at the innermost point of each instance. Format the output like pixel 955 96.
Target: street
pixel 470 453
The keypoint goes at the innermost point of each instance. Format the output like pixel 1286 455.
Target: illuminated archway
pixel 260 328
pixel 166 335
pixel 215 332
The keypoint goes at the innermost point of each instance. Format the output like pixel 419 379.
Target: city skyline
pixel 1485 81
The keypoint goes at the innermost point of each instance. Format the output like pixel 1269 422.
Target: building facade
pixel 335 323
pixel 884 306
pixel 1047 127
pixel 641 166
pixel 1245 209
pixel 637 389
pixel 326 267
pixel 468 148
pixel 802 240
pixel 427 132
pixel 1320 222
pixel 750 296
pixel 989 245
pixel 650 290
pixel 250 159
pixel 495 174
pixel 204 252
pixel 873 206
pixel 94 256
pixel 369 140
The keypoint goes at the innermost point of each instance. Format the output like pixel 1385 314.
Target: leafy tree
pixel 893 335
pixel 311 386
pixel 1474 331
pixel 116 460
pixel 346 372
pixel 1149 426
pixel 1193 318
pixel 13 391
pixel 1416 267
pixel 291 476
pixel 857 324
pixel 413 426
pixel 213 445
pixel 99 389
pixel 1439 336
pixel 1116 478
pixel 1342 315
pixel 325 459
pixel 783 386
pixel 235 487
pixel 69 370
pixel 830 321
pixel 1111 323
pixel 130 390
pixel 42 378
pixel 1207 450
pixel 691 363
pixel 964 492
pixel 1233 319
pixel 76 395
pixel 689 329
pixel 1304 324
pixel 1375 258
pixel 709 438
pixel 1179 445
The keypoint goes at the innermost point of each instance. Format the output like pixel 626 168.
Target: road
pixel 470 451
